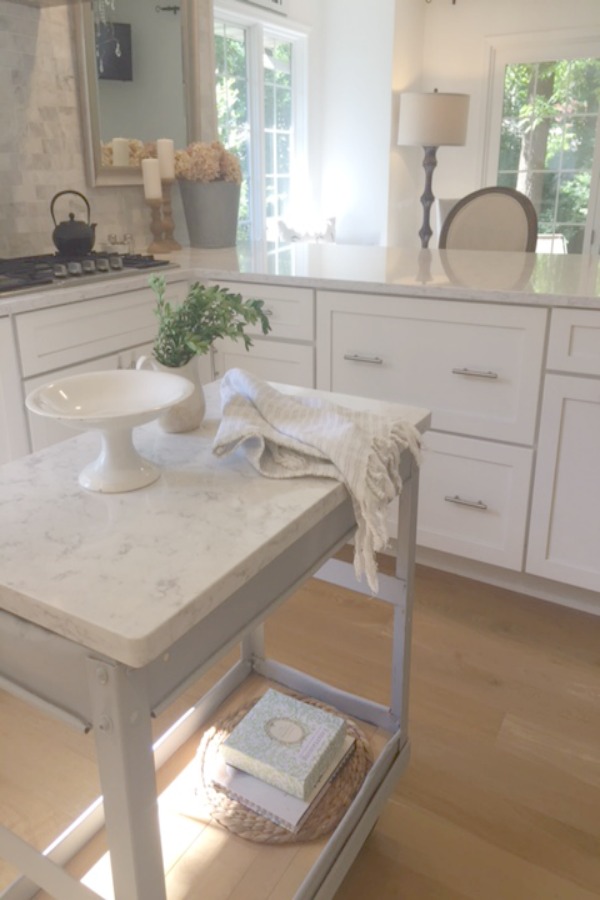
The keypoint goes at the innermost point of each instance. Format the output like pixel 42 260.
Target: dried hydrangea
pixel 207 162
pixel 198 162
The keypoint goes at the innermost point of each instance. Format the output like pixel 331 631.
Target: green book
pixel 285 742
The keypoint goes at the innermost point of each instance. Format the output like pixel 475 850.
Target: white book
pixel 271 802
pixel 285 742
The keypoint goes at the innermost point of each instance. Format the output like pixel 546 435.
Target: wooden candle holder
pixel 167 221
pixel 158 245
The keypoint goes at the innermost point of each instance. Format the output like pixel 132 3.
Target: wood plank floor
pixel 501 800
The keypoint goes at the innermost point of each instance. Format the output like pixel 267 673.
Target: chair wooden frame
pixel 523 201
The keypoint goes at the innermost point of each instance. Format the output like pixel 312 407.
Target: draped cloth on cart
pixel 292 436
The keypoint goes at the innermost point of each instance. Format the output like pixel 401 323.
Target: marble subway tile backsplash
pixel 40 138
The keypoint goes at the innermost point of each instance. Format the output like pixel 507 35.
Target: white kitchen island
pixel 110 605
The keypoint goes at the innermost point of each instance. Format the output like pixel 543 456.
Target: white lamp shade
pixel 433 120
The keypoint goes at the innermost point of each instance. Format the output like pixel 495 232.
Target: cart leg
pixel 121 719
pixel 405 573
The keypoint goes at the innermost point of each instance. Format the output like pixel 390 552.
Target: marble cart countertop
pixel 127 574
pixel 498 277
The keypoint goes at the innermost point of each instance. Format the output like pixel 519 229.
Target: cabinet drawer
pixel 473 499
pixel 574 344
pixel 476 366
pixel 290 310
pixel 269 360
pixel 62 336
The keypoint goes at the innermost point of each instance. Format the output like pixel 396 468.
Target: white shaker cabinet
pixel 13 427
pixel 108 332
pixel 287 353
pixel 564 540
pixel 478 367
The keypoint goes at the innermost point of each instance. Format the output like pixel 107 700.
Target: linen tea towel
pixel 291 436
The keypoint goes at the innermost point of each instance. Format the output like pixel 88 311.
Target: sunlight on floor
pixel 184 815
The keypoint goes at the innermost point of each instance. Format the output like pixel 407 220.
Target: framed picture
pixel 113 51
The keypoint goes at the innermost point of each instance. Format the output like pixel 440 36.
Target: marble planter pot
pixel 189 414
pixel 211 212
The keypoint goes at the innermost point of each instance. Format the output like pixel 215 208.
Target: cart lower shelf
pixel 203 859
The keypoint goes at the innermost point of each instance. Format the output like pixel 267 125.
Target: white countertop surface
pixel 523 278
pixel 536 279
pixel 127 574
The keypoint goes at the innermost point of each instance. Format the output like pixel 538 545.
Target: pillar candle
pixel 120 150
pixel 165 150
pixel 152 182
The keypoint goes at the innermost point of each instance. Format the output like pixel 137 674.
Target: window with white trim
pixel 260 74
pixel 545 129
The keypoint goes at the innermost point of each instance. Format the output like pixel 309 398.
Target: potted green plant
pixel 188 329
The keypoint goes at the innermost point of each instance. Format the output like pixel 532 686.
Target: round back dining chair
pixel 493 218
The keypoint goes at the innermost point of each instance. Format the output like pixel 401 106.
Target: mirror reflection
pixel 131 73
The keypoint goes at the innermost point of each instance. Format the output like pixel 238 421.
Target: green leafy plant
pixel 207 313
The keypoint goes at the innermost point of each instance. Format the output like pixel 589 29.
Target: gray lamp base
pixel 427 198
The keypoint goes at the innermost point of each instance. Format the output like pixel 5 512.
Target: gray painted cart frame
pixel 116 702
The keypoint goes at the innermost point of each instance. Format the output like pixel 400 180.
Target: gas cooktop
pixel 31 272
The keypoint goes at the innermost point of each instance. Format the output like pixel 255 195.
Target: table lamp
pixel 431 121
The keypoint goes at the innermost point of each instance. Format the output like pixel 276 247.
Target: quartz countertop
pixel 127 574
pixel 525 278
pixel 536 279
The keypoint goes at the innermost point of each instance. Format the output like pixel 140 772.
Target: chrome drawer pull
pixel 475 373
pixel 356 357
pixel 474 504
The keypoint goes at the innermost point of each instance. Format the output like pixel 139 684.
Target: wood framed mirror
pixel 139 78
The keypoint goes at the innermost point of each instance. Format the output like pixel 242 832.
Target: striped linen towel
pixel 287 436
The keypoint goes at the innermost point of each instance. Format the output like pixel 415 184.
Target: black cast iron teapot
pixel 73 237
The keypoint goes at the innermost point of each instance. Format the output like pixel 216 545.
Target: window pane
pixel 236 99
pixel 573 196
pixel 284 109
pixel 283 154
pixel 270 196
pixel 547 143
pixel 269 154
pixel 507 179
pixel 269 106
pixel 283 194
pixel 584 88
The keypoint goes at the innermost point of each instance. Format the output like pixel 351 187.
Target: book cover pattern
pixel 285 742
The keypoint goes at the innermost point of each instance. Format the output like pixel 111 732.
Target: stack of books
pixel 279 760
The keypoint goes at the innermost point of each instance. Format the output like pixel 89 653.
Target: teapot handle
pixel 77 194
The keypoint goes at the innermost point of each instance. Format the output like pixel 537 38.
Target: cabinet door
pixel 269 360
pixel 574 344
pixel 565 519
pixel 13 427
pixel 473 499
pixel 477 366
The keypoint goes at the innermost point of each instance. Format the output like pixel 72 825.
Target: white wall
pixel 355 117
pixel 406 172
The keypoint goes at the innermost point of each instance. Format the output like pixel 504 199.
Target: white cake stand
pixel 113 403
